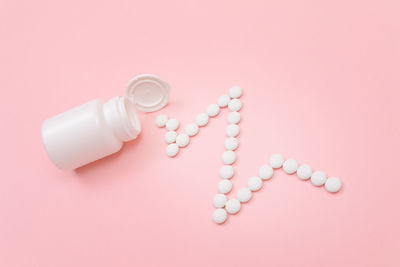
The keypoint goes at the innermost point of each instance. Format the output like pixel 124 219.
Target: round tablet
pixel 202 119
pixel 219 216
pixel 224 186
pixel 233 117
pixel 254 183
pixel 192 129
pixel 170 137
pixel 161 120
pixel 304 172
pixel 318 178
pixel 235 92
pixel 232 130
pixel 235 105
pixel 276 161
pixel 223 100
pixel 265 172
pixel 232 206
pixel 219 201
pixel 182 140
pixel 244 194
pixel 172 124
pixel 228 157
pixel 226 172
pixel 290 166
pixel 231 143
pixel 333 184
pixel 212 110
pixel 172 150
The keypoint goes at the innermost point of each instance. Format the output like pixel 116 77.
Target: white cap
pixel 148 92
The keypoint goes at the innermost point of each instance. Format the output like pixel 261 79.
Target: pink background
pixel 322 85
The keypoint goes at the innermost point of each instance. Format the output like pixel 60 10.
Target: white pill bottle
pixel 97 129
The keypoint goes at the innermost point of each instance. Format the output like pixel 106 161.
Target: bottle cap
pixel 148 92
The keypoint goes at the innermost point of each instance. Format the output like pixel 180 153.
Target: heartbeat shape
pixel 223 205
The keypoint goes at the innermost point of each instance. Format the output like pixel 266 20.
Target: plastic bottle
pixel 97 129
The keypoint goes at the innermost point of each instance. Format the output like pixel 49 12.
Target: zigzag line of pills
pixel 221 203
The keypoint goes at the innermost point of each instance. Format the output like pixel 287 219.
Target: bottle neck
pixel 121 116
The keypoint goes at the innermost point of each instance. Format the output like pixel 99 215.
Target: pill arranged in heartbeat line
pixel 223 205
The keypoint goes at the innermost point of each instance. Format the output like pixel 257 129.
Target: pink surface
pixel 321 77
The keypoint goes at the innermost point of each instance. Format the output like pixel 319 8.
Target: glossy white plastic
pixel 97 129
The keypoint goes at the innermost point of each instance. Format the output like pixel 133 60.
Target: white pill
pixel 161 120
pixel 172 150
pixel 333 184
pixel 244 194
pixel 304 172
pixel 219 216
pixel 232 206
pixel 224 186
pixel 265 172
pixel 202 119
pixel 233 117
pixel 254 183
pixel 172 124
pixel 212 110
pixel 276 161
pixel 192 129
pixel 223 100
pixel 232 130
pixel 290 166
pixel 228 157
pixel 182 140
pixel 219 201
pixel 170 137
pixel 235 105
pixel 226 172
pixel 235 92
pixel 318 178
pixel 231 143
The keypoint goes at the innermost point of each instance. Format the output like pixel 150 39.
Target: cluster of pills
pixel 172 138
pixel 177 140
pixel 223 205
